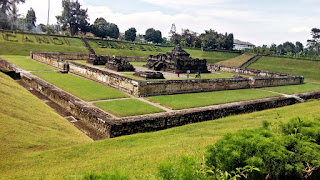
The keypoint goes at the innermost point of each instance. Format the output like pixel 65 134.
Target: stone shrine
pixel 177 59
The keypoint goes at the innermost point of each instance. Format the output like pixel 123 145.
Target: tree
pixel 73 17
pixel 99 27
pixel 8 13
pixel 314 43
pixel 153 35
pixel 130 34
pixel 31 19
pixel 299 47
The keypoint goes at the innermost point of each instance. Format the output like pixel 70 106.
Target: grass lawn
pixel 26 63
pixel 140 64
pixel 212 57
pixel 218 75
pixel 128 107
pixel 237 61
pixel 309 69
pixel 294 89
pixel 34 146
pixel 23 48
pixel 183 101
pixel 80 87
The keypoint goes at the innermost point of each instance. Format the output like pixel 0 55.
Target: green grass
pixel 128 107
pixel 211 56
pixel 294 89
pixel 28 125
pixel 309 69
pixel 140 64
pixel 237 61
pixel 26 63
pixel 80 87
pixel 183 101
pixel 218 75
pixel 23 48
pixel 66 155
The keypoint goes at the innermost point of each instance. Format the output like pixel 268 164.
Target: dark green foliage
pixel 130 34
pixel 153 35
pixel 73 17
pixel 314 43
pixel 292 153
pixel 102 28
pixel 106 176
pixel 31 19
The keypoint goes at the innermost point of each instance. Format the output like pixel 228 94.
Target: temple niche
pixel 177 59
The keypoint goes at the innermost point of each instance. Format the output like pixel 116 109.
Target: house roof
pixel 236 41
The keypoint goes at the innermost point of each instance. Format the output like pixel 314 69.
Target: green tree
pixel 31 19
pixel 99 27
pixel 130 34
pixel 314 43
pixel 73 17
pixel 153 35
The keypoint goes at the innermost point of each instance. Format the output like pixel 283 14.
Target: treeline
pixel 74 20
pixel 289 49
pixel 210 39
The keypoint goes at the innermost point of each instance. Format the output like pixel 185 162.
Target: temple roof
pixel 178 51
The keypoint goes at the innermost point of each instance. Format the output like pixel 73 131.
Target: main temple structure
pixel 177 59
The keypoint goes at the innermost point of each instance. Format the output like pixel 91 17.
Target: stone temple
pixel 177 59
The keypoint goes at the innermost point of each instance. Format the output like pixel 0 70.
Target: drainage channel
pixel 89 131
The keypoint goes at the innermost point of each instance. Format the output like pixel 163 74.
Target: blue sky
pixel 259 22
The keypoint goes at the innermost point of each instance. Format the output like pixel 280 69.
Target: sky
pixel 256 21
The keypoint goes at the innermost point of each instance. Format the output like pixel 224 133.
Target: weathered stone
pixel 118 64
pixel 149 75
pixel 177 60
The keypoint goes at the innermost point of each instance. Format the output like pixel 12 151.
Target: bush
pixel 106 176
pixel 292 153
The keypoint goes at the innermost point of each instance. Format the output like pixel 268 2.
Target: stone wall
pixel 62 56
pixel 153 88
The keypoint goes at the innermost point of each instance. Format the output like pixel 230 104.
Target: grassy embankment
pixel 22 44
pixel 237 61
pixel 34 146
pixel 309 69
pixel 127 49
pixel 183 101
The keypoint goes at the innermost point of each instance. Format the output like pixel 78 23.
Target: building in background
pixel 241 45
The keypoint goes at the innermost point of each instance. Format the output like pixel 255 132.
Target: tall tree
pixel 73 17
pixel 314 43
pixel 8 11
pixel 153 35
pixel 130 34
pixel 31 19
pixel 299 47
pixel 99 27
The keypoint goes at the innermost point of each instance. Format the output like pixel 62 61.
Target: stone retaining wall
pixel 154 88
pixel 61 56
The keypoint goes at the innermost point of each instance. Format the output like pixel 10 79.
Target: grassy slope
pixel 309 69
pixel 80 87
pixel 211 56
pixel 127 107
pixel 182 101
pixel 237 61
pixel 140 154
pixel 295 88
pixel 24 48
pixel 29 127
pixel 26 63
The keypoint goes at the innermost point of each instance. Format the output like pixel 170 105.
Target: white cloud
pixel 184 3
pixel 299 29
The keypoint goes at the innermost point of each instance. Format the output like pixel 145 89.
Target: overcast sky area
pixel 259 22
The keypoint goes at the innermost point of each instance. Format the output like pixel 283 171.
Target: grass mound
pixel 22 44
pixel 309 69
pixel 80 87
pixel 183 101
pixel 127 107
pixel 237 61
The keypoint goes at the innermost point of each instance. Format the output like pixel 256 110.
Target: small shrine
pixel 177 60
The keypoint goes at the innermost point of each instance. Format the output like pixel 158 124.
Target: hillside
pixel 237 61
